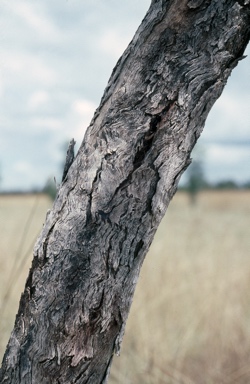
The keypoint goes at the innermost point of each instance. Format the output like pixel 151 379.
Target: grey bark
pixel 87 259
pixel 70 156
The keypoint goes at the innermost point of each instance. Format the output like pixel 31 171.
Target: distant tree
pixel 226 184
pixel 73 311
pixel 246 185
pixel 195 176
pixel 50 188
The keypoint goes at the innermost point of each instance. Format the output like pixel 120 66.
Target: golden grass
pixel 21 219
pixel 190 319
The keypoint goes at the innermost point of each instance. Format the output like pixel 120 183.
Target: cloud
pixel 234 111
pixel 227 162
pixel 84 107
pixel 230 115
pixel 26 67
pixel 82 113
pixel 38 99
pixel 230 155
pixel 1 86
pixel 231 107
pixel 47 123
pixel 23 167
pixel 229 118
pixel 113 43
pixel 35 18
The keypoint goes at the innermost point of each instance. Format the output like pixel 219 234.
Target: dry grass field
pixel 21 219
pixel 190 319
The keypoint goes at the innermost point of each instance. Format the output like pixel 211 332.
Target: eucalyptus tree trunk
pixel 87 259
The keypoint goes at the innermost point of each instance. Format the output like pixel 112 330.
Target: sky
pixel 55 60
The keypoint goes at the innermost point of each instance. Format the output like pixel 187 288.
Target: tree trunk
pixel 87 260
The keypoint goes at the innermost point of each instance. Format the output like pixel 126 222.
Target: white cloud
pixel 224 162
pixel 231 163
pixel 23 167
pixel 229 118
pixel 113 43
pixel 83 111
pixel 1 86
pixel 233 108
pixel 28 67
pixel 38 99
pixel 34 17
pixel 228 155
pixel 47 123
pixel 84 108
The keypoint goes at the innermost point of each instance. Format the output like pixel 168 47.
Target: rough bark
pixel 87 260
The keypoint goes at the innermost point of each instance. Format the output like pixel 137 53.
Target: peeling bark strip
pixel 87 260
